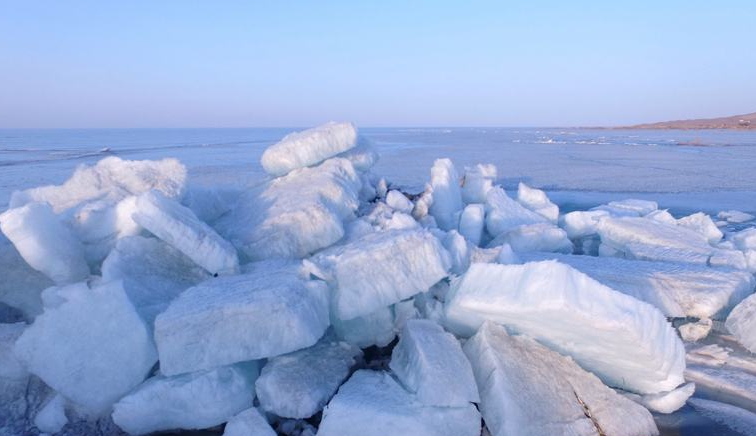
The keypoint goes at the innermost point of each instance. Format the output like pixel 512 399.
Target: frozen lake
pixel 683 170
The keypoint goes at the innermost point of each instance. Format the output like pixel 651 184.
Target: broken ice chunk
pixel 629 207
pixel 702 224
pixel 153 273
pixel 479 179
pixel 376 328
pixel 299 384
pixel 398 201
pixel 295 215
pixel 504 214
pixel 92 348
pixel 663 216
pixel 190 401
pixel 180 228
pixel 308 147
pixel 665 402
pixel 742 323
pixel 52 417
pixel 111 179
pixel 535 237
pixel 581 223
pixel 735 216
pixel 472 223
pixel 537 201
pixel 10 367
pixel 362 156
pixel 248 423
pixel 447 197
pixel 678 289
pixel 695 331
pixel 238 318
pixel 744 239
pixel 372 403
pixel 45 242
pixel 459 253
pixel 382 268
pixel 429 362
pixel 21 285
pixel 528 390
pixel 624 341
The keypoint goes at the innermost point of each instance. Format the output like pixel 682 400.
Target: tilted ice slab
pixel 742 323
pixel 629 207
pixel 295 215
pixel 372 403
pixel 677 289
pixel 701 223
pixel 248 423
pixel 190 401
pixel 45 243
pixel 153 273
pixel 111 179
pixel 472 223
pixel 537 201
pixel 21 285
pixel 308 147
pixel 645 239
pixel 504 214
pixel 380 269
pixel 179 227
pixel 665 402
pixel 299 384
pixel 624 341
pixel 528 390
pixel 447 197
pixel 581 223
pixel 376 328
pixel 92 347
pixel 535 237
pixel 239 318
pixel 429 362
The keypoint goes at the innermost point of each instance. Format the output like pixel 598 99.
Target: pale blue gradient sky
pixel 378 63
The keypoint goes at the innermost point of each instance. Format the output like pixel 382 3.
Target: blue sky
pixel 377 63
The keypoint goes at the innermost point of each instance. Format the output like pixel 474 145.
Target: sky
pixel 376 63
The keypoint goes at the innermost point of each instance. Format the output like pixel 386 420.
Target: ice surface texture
pixel 529 390
pixel 626 342
pixel 447 197
pixel 742 323
pixel 308 147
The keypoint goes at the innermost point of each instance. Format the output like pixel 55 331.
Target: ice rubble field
pixel 324 300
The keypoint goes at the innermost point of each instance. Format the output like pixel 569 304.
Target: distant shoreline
pixel 735 122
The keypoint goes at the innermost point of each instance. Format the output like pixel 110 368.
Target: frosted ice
pixel 678 289
pixel 398 201
pixel 308 147
pixel 190 401
pixel 527 389
pixel 581 223
pixel 111 179
pixel 179 227
pixel 742 323
pixel 295 215
pixel 100 223
pixel 472 223
pixel 372 403
pixel 535 237
pixel 695 331
pixel 662 215
pixel 52 417
pixel 504 214
pixel 429 362
pixel 447 196
pixel 458 250
pixel 380 269
pixel 248 423
pixel 479 179
pixel 701 223
pixel 45 243
pixel 363 156
pixel 21 284
pixel 744 239
pixel 153 273
pixel 299 384
pixel 624 341
pixel 92 348
pixel 537 201
pixel 238 318
pixel 665 402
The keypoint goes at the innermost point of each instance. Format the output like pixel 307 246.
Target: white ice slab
pixel 742 323
pixel 701 223
pixel 504 214
pixel 380 269
pixel 677 289
pixel 239 318
pixel 544 237
pixel 398 201
pixel 299 384
pixel 528 390
pixel 479 179
pixel 447 196
pixel 581 223
pixel 665 402
pixel 308 147
pixel 472 223
pixel 429 362
pixel 624 341
pixel 372 403
pixel 537 201
pixel 21 285
pixel 45 243
pixel 191 401
pixel 179 227
pixel 295 215
pixel 248 423
pixel 92 348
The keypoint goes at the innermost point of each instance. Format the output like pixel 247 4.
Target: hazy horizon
pixel 84 64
